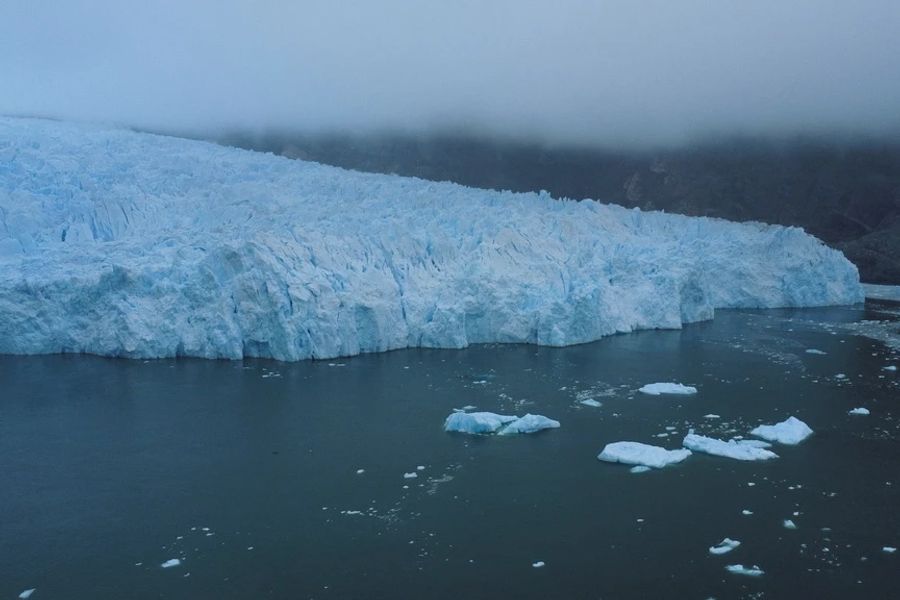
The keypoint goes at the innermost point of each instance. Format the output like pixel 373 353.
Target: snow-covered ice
pixel 724 547
pixel 488 422
pixel 753 571
pixel 790 431
pixel 636 453
pixel 859 411
pixel 655 389
pixel 185 248
pixel 528 424
pixel 172 562
pixel 736 449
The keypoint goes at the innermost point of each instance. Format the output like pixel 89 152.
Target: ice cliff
pixel 128 244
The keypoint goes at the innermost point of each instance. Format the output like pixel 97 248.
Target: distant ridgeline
pixel 847 194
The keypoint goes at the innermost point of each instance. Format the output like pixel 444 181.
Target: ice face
pixel 636 453
pixel 135 245
pixel 790 431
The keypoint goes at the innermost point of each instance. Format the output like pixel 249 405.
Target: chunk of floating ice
pixel 711 416
pixel 27 593
pixel 814 351
pixel 528 424
pixel 788 524
pixel 655 389
pixel 746 512
pixel 889 549
pixel 412 475
pixel 738 450
pixel 486 422
pixel 420 468
pixel 890 368
pixel 360 471
pixel 790 431
pixel 840 376
pixel 591 402
pixel 477 422
pixel 636 453
pixel 724 547
pixel 172 562
pixel 538 564
pixel 639 469
pixel 859 411
pixel 753 571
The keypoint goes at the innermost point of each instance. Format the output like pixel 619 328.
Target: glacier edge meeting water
pixel 128 244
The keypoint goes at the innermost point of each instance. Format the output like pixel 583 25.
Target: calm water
pixel 111 467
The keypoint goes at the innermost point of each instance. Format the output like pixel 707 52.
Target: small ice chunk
pixel 27 593
pixel 859 411
pixel 790 431
pixel 730 449
pixel 172 562
pixel 528 424
pixel 890 368
pixel 840 376
pixel 724 547
pixel 746 512
pixel 655 389
pixel 360 471
pixel 639 469
pixel 753 571
pixel 814 351
pixel 711 416
pixel 420 468
pixel 889 549
pixel 412 475
pixel 477 422
pixel 538 564
pixel 591 402
pixel 636 453
pixel 788 524
pixel 469 407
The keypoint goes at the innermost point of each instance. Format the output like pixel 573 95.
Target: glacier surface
pixel 128 244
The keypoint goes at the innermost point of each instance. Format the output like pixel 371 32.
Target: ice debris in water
pixel 636 453
pixel 890 368
pixel 724 547
pixel 655 389
pixel 591 402
pixel 790 431
pixel 639 469
pixel 753 571
pixel 889 549
pixel 859 411
pixel 738 450
pixel 195 249
pixel 412 475
pixel 488 422
pixel 27 593
pixel 789 524
pixel 538 564
pixel 172 562
pixel 815 351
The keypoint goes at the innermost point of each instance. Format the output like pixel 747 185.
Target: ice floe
pixel 636 453
pixel 738 450
pixel 487 422
pixel 859 411
pixel 790 431
pixel 724 547
pixel 753 571
pixel 655 389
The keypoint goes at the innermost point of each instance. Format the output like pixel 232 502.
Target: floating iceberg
pixel 172 562
pixel 128 244
pixel 790 431
pixel 753 571
pixel 859 411
pixel 529 424
pixel 655 389
pixel 738 450
pixel 488 422
pixel 27 593
pixel 636 453
pixel 724 547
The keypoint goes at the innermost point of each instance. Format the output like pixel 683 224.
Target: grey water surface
pixel 247 471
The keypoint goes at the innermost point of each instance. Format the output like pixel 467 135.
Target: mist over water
pixel 610 73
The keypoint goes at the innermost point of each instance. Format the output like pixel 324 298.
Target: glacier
pixel 129 244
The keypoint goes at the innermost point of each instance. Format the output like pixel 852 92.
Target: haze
pixel 619 73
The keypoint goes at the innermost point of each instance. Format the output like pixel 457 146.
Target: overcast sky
pixel 608 72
